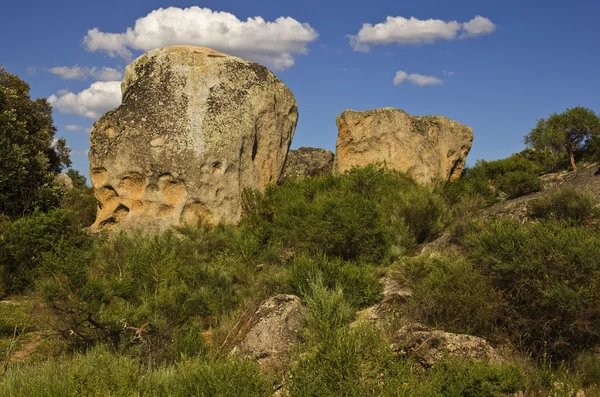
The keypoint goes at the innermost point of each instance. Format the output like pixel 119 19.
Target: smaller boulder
pixel 430 346
pixel 392 310
pixel 64 180
pixel 270 333
pixel 307 162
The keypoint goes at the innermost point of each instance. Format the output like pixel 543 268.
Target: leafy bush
pixel 358 283
pixel 518 183
pixel 102 373
pixel 25 240
pixel 356 216
pixel 150 294
pixel 549 276
pixel 516 176
pixel 565 204
pixel 448 292
pixel 80 200
pixel 467 378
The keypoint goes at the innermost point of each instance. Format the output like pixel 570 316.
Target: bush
pixel 358 283
pixel 102 373
pixel 518 183
pixel 26 240
pixel 549 276
pixel 448 292
pixel 356 216
pixel 516 176
pixel 151 295
pixel 467 378
pixel 565 204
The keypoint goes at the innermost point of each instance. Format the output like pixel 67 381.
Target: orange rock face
pixel 429 148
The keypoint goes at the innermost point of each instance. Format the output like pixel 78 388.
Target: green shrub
pixel 467 378
pixel 358 282
pixel 518 183
pixel 150 295
pixel 356 216
pixel 25 240
pixel 565 204
pixel 336 360
pixel 102 373
pixel 549 275
pixel 448 292
pixel 587 366
pixel 516 176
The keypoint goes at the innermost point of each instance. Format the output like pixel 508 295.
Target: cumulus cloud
pixel 273 43
pixel 69 73
pixel 73 127
pixel 92 102
pixel 416 79
pixel 77 72
pixel 405 31
pixel 477 26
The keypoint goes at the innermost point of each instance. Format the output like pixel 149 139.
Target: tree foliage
pixel 29 154
pixel 567 132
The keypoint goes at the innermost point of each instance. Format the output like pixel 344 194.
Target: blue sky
pixel 519 61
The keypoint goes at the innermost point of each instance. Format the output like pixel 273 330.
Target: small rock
pixel 271 332
pixel 64 180
pixel 430 346
pixel 307 162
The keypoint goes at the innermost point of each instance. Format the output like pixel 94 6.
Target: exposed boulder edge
pixel 307 162
pixel 271 332
pixel 196 127
pixel 429 147
pixel 431 346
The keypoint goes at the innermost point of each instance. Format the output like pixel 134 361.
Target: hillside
pixel 332 285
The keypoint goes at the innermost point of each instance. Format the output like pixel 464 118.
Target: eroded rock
pixel 196 127
pixel 307 162
pixel 429 147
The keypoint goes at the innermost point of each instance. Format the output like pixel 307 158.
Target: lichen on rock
pixel 196 127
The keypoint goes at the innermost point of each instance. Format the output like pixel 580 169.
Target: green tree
pixel 567 132
pixel 29 154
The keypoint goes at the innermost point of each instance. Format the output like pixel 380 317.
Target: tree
pixel 30 157
pixel 567 132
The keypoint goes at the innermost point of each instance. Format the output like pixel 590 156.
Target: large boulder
pixel 307 162
pixel 196 127
pixel 429 147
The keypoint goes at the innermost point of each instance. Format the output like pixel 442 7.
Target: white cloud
pixel 106 74
pixel 448 73
pixel 477 26
pixel 273 43
pixel 400 77
pixel 416 79
pixel 401 30
pixel 92 102
pixel 70 73
pixel 78 72
pixel 73 127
